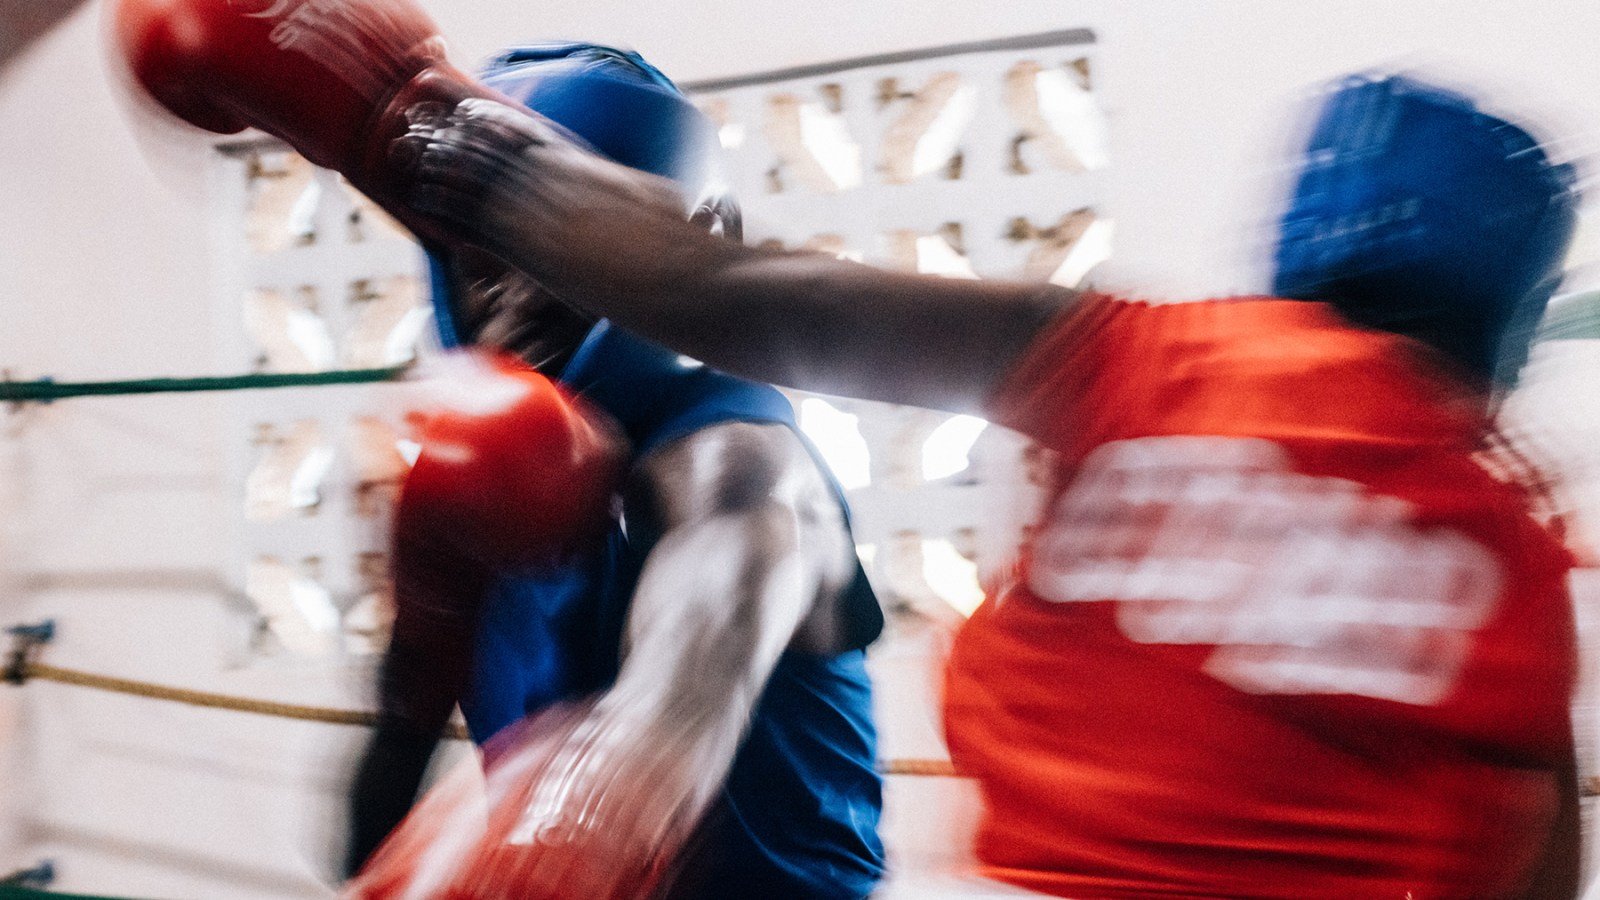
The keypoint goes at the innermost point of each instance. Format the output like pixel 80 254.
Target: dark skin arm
pixel 615 241
pixel 425 671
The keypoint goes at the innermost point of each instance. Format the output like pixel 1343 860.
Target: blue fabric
pixel 1416 213
pixel 658 396
pixel 799 816
pixel 444 313
pixel 618 104
pixel 799 813
pixel 530 649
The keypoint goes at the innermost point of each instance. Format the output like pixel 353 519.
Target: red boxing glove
pixel 513 473
pixel 479 837
pixel 333 78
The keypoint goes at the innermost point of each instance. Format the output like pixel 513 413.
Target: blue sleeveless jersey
pixel 798 815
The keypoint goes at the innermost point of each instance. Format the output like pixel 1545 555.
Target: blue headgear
pixel 1415 213
pixel 624 109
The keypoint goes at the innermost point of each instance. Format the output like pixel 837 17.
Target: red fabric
pixel 1314 650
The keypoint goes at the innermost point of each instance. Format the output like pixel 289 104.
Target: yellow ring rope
pixel 931 768
pixel 209 699
pixel 925 768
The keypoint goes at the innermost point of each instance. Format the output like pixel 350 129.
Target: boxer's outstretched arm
pixel 752 541
pixel 615 241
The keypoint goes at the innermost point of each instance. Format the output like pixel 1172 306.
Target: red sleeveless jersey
pixel 1280 632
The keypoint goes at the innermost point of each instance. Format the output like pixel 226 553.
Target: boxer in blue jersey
pixel 691 612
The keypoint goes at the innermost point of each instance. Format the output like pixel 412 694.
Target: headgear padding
pixel 1416 213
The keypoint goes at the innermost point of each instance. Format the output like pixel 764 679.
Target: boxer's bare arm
pixel 751 542
pixel 425 671
pixel 24 21
pixel 615 241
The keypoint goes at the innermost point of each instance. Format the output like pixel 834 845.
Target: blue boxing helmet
pixel 1418 214
pixel 621 107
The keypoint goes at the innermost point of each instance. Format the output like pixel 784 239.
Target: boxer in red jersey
pixel 1282 632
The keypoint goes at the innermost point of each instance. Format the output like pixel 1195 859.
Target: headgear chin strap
pixel 626 110
pixel 1418 214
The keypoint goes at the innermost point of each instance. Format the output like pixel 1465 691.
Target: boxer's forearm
pixel 798 319
pixel 385 787
pixel 438 595
pixel 417 687
pixel 615 241
pixel 814 322
pixel 424 672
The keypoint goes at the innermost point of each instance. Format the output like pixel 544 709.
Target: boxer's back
pixel 1280 632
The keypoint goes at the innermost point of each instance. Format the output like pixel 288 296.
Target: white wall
pixel 1201 89
pixel 117 509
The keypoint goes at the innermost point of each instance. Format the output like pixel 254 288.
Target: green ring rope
pixel 44 391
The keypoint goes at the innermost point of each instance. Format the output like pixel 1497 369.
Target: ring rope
pixel 46 390
pixel 209 699
pixel 23 892
pixel 931 768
